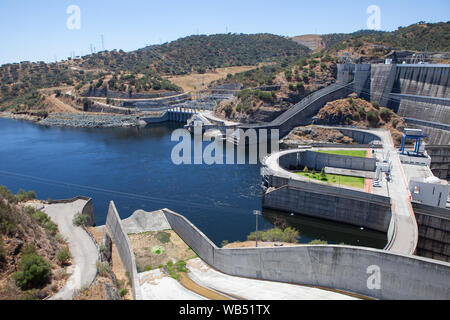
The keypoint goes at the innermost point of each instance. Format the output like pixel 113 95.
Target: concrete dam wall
pixel 434 232
pixel 418 92
pixel 440 160
pixel 336 267
pixel 422 80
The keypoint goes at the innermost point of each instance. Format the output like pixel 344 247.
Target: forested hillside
pixel 140 70
pixel 417 37
pixel 199 54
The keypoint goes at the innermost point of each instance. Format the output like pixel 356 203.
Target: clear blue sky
pixel 36 30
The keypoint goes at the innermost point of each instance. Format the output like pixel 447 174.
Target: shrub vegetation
pixel 289 235
pixel 34 271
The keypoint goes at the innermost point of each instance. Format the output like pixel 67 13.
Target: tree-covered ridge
pixel 24 78
pixel 141 70
pixel 199 54
pixel 417 37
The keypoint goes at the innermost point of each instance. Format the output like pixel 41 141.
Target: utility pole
pixel 257 213
pixel 103 42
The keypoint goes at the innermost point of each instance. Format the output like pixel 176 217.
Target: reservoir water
pixel 133 167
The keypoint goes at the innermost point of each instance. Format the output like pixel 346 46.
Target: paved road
pixel 406 230
pixel 83 250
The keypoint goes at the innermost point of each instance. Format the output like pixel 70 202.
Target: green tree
pixel 386 114
pixel 323 175
pixel 372 117
pixel 34 272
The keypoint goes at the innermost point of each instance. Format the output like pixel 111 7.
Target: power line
pixel 134 196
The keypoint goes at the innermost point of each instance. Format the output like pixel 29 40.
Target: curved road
pixel 83 250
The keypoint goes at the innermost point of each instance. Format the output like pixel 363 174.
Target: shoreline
pixel 72 120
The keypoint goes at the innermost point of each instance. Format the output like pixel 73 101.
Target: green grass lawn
pixel 354 182
pixel 350 153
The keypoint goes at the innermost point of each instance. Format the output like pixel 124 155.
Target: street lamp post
pixel 257 213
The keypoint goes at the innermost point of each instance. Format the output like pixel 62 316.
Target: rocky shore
pixel 88 120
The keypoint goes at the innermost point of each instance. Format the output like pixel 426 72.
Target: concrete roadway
pixel 406 233
pixel 83 250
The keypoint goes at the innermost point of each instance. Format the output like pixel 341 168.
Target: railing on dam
pixel 370 272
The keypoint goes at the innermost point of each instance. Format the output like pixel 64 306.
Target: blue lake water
pixel 133 167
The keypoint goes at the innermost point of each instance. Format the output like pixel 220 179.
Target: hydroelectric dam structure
pixel 418 93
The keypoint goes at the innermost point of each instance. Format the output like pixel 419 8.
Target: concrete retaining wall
pixel 104 93
pixel 434 232
pixel 191 235
pixel 171 100
pixel 330 203
pixel 120 238
pixel 361 137
pixel 337 267
pixel 318 161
